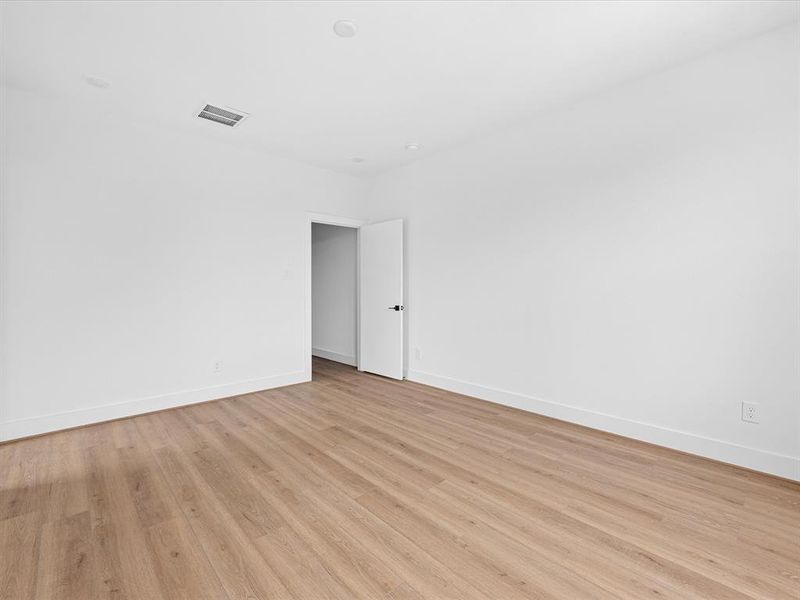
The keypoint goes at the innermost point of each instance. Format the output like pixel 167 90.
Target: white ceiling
pixel 436 73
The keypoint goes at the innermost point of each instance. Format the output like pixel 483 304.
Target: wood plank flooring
pixel 354 486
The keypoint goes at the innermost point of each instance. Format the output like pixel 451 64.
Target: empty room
pixel 400 300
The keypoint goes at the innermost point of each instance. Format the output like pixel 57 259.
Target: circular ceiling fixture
pixel 413 147
pixel 345 28
pixel 357 159
pixel 98 82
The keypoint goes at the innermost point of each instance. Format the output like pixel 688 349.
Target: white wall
pixel 135 258
pixel 629 262
pixel 333 286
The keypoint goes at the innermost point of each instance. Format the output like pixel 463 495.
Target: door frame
pixel 326 219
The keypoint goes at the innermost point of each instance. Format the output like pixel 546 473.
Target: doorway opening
pixel 354 295
pixel 334 295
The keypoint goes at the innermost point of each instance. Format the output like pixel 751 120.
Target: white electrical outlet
pixel 750 412
pixel 416 353
pixel 218 366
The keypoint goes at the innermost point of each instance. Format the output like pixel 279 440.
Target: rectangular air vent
pixel 226 116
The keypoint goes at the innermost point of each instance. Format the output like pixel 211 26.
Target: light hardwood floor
pixel 354 486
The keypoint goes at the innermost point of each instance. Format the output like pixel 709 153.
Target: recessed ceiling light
pixel 345 28
pixel 98 82
pixel 413 147
pixel 357 159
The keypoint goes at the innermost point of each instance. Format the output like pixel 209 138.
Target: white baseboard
pixel 20 428
pixel 334 356
pixel 751 458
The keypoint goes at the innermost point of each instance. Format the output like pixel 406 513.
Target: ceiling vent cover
pixel 227 116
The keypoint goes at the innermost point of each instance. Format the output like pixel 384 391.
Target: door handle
pixel 397 307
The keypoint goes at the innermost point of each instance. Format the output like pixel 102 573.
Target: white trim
pixel 356 224
pixel 335 220
pixel 744 456
pixel 19 428
pixel 346 359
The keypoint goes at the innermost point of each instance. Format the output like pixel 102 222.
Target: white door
pixel 381 306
